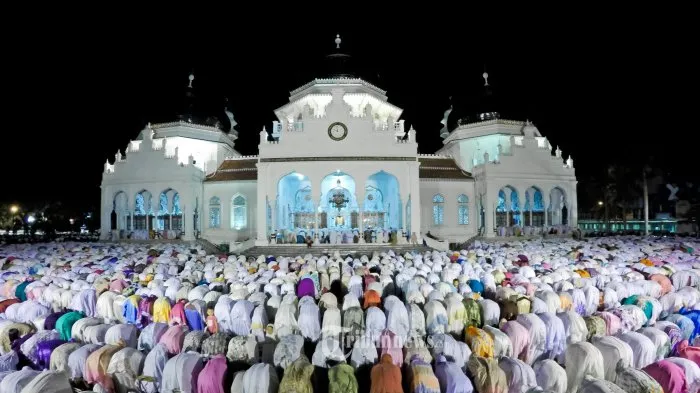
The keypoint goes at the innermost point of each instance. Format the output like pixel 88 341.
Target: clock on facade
pixel 337 131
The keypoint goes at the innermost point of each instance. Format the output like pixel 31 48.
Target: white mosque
pixel 338 166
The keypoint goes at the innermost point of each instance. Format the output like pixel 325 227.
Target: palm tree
pixel 628 178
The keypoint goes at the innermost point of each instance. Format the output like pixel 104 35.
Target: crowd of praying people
pixel 341 236
pixel 616 314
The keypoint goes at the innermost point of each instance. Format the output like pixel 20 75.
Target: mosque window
pixel 239 213
pixel 176 204
pixel 162 212
pixel 438 209
pixel 463 209
pixel 214 213
pixel 140 208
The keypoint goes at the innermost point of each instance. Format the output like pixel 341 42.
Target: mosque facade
pixel 338 165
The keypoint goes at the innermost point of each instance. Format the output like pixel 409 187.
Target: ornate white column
pixel 573 210
pixel 316 238
pixel 360 186
pixel 361 219
pixel 508 206
pixel 489 206
pixel 105 216
pixel 189 235
pixel 414 196
pixel 273 220
pixel 261 205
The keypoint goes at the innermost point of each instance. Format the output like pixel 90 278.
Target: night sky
pixel 601 90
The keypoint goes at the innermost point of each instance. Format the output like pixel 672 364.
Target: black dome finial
pixel 196 109
pixel 338 64
pixel 473 108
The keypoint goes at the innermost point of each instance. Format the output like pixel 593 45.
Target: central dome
pixel 337 64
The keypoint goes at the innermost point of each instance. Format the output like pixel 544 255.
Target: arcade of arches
pixel 148 217
pixel 530 211
pixel 337 212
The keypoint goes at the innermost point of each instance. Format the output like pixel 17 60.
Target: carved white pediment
pixel 338 107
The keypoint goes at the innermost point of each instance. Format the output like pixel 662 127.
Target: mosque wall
pixel 148 169
pixel 440 209
pixel 129 199
pixel 229 211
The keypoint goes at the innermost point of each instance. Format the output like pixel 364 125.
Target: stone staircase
pixel 209 247
pixel 293 250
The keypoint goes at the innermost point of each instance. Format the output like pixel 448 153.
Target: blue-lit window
pixel 162 212
pixel 438 209
pixel 176 205
pixel 140 209
pixel 539 204
pixel 463 209
pixel 214 213
pixel 239 214
pixel 501 202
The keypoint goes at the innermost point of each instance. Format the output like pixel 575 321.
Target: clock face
pixel 337 131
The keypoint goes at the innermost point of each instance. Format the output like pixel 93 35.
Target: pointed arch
pixel 143 210
pixel 293 203
pixel 338 202
pixel 533 209
pixel 558 211
pixel 383 206
pixel 120 216
pixel 508 212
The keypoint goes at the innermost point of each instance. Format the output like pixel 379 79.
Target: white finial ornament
pixel 485 75
pixel 337 41
pixel 191 78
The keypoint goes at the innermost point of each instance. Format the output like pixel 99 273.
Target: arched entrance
pixel 294 204
pixel 508 208
pixel 534 207
pixel 143 213
pixel 338 207
pixel 120 212
pixel 169 215
pixel 382 205
pixel 558 211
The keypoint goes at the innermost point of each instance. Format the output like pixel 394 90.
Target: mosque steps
pixel 290 250
pixel 208 246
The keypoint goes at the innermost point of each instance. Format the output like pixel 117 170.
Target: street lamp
pixel 14 209
pixel 30 220
pixel 72 221
pixel 600 203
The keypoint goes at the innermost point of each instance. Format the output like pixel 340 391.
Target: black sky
pixel 602 88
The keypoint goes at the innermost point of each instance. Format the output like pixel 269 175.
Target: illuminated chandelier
pixel 338 199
